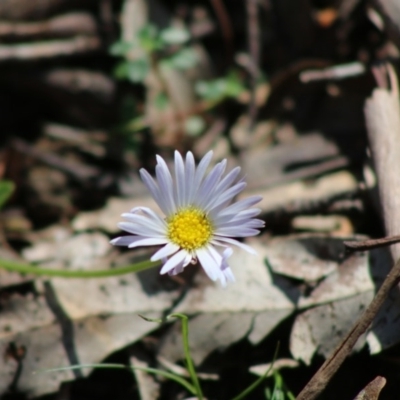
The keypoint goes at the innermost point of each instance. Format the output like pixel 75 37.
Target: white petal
pixel 208 263
pixel 214 254
pixel 217 241
pixel 209 183
pixel 226 276
pixel 190 169
pixel 187 260
pixel 221 188
pixel 166 186
pixel 241 223
pixel 202 168
pixel 125 240
pixel 222 218
pixel 228 180
pixel 149 213
pixel 153 189
pixel 167 250
pixel 225 197
pixel 180 267
pixel 174 261
pixel 250 213
pixel 148 242
pixel 177 270
pixel 254 223
pixel 236 231
pixel 145 221
pixel 141 230
pixel 240 205
pixel 179 179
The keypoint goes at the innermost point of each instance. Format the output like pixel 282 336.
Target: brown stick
pixel 78 23
pixel 48 49
pixel 319 381
pixel 370 244
pixel 382 112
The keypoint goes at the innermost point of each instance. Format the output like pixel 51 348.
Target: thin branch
pixel 382 113
pixel 370 244
pixel 319 381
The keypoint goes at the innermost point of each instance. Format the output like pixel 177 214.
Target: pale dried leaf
pixel 385 328
pixel 305 149
pixel 372 390
pixel 44 350
pixel 320 329
pixel 76 252
pixel 352 277
pixel 148 387
pixel 277 365
pixel 300 195
pixel 382 115
pixel 254 289
pixel 304 257
pixel 108 217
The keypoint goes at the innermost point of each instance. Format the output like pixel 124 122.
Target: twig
pixel 72 24
pixel 254 50
pixel 226 27
pixel 382 113
pixel 336 72
pixel 319 381
pixel 370 244
pixel 53 48
pixel 79 171
pixel 372 390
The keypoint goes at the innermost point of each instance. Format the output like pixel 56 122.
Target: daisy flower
pixel 200 217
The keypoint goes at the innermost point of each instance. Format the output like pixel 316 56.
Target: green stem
pixel 189 362
pixel 102 273
pixel 254 385
pixel 153 371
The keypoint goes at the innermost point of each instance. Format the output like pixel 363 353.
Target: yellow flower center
pixel 189 228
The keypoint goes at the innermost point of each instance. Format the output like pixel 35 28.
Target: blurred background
pixel 91 90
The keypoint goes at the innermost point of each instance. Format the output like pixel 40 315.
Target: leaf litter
pixel 304 157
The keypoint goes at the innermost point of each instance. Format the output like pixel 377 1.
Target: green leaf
pixel 6 190
pixel 233 85
pixel 135 71
pixel 183 59
pixel 217 89
pixel 149 39
pixel 138 70
pixel 194 125
pixel 120 48
pixel 210 90
pixel 121 70
pixel 174 35
pixel 161 101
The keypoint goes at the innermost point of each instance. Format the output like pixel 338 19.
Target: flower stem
pixel 189 362
pixel 62 273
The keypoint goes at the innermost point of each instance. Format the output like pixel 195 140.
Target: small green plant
pixel 155 50
pixel 165 47
pixel 6 190
pixel 229 86
pixel 192 386
pixel 279 391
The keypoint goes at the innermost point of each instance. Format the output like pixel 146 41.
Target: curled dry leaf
pixel 372 390
pixel 277 365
